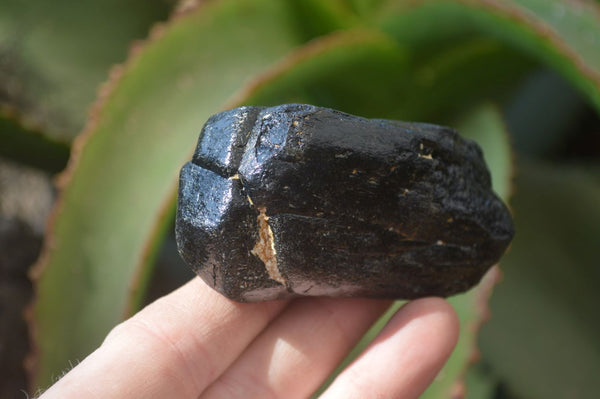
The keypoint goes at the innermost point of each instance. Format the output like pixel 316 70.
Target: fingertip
pixel 438 314
pixel 406 355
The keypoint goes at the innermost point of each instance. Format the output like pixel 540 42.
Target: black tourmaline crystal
pixel 300 200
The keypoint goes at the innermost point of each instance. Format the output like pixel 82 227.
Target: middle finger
pixel 300 348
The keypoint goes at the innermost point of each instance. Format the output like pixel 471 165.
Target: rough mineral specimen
pixel 300 200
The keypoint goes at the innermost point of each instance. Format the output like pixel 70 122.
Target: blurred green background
pixel 106 98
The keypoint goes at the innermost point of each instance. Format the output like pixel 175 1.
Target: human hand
pixel 195 343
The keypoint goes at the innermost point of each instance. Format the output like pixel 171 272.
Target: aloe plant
pixel 464 63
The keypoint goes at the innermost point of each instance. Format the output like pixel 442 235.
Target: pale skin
pixel 195 343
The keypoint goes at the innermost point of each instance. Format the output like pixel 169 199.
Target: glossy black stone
pixel 301 200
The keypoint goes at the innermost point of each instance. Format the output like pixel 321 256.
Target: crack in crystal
pixel 265 247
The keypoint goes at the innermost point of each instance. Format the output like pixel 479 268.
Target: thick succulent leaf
pixel 55 54
pixel 358 71
pixel 486 126
pixel 480 383
pixel 29 146
pixel 386 80
pixel 542 339
pixel 563 35
pixel 543 113
pixel 315 18
pixel 121 182
pixel 577 26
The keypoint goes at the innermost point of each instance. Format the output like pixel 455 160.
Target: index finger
pixel 175 347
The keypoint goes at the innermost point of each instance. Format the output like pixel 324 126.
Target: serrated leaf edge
pixel 62 180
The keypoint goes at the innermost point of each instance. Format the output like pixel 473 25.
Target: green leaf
pixel 29 146
pixel 315 18
pixel 543 114
pixel 356 71
pixel 486 126
pixel 576 25
pixel 119 191
pixel 562 35
pixel 369 74
pixel 480 384
pixel 55 54
pixel 542 339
